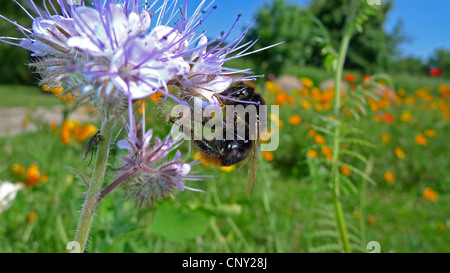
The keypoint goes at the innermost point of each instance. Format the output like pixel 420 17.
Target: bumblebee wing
pixel 252 170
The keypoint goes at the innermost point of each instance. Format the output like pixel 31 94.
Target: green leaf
pixel 355 114
pixel 354 155
pixel 323 130
pixel 358 141
pixel 349 184
pixel 362 174
pixel 354 238
pixel 177 225
pixel 326 223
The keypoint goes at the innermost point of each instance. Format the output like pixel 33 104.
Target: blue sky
pixel 426 22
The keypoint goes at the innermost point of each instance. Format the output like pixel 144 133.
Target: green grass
pixel 29 96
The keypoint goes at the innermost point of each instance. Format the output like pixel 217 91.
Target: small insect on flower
pixel 95 140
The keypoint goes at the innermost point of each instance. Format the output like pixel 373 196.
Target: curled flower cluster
pixel 152 175
pixel 117 51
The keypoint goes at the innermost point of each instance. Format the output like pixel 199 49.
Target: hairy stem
pixel 98 176
pixel 337 133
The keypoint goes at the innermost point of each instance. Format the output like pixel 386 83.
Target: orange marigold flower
pixel 43 178
pixel 307 82
pixel 406 116
pixel 430 133
pixel 388 118
pixel 65 136
pixel 272 87
pixel 319 140
pixel 350 77
pixel 267 155
pixel 365 77
pixel 305 104
pixel 304 92
pixel 312 154
pixel 328 152
pixel 32 176
pixel 410 100
pixel 312 133
pixel 142 104
pixel 399 152
pixel 85 131
pixel 389 177
pixel 316 94
pixel 327 106
pixel 346 171
pixel 157 97
pixel 374 107
pixel 443 88
pixel 31 216
pixel 318 107
pixel 383 104
pixel 421 140
pixel 295 120
pixel 430 194
pixel 282 98
pixel 370 219
pixel 385 138
pixel 56 90
pixel 377 118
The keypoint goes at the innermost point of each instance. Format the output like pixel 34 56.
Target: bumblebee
pixel 228 152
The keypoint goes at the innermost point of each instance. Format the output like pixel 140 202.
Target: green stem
pixel 230 220
pixel 266 196
pixel 337 133
pixel 98 175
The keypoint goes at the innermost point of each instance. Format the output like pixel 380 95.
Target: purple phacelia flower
pixel 148 174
